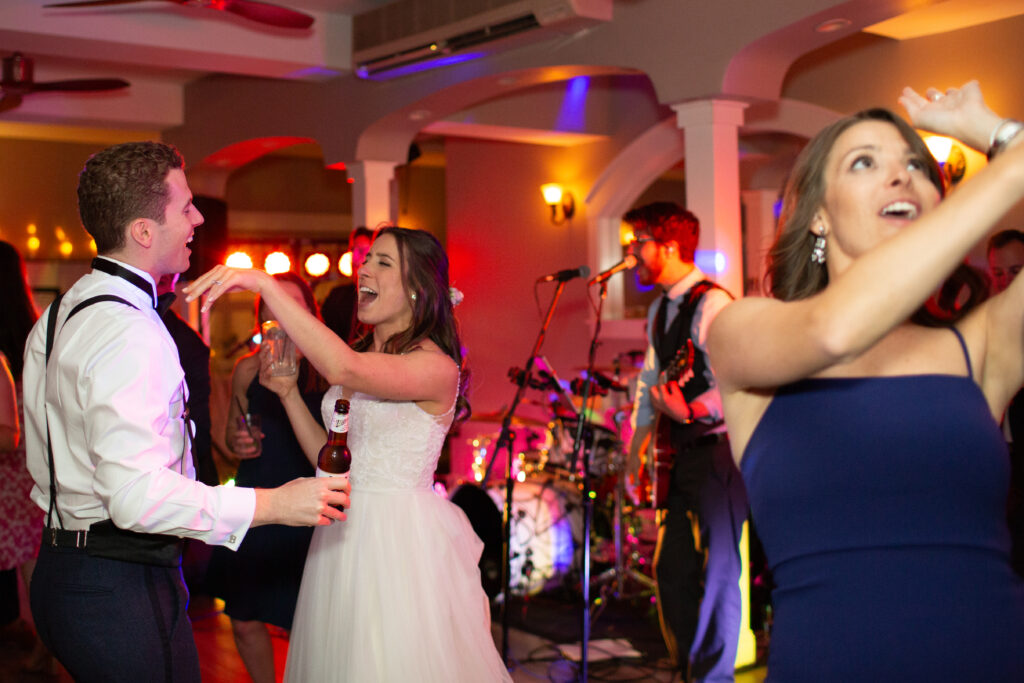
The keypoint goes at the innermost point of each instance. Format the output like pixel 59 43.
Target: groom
pixel 109 440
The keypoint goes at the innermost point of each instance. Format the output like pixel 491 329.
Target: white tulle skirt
pixel 393 594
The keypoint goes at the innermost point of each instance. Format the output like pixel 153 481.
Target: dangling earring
pixel 818 250
pixel 413 296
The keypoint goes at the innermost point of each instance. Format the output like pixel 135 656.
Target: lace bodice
pixel 395 444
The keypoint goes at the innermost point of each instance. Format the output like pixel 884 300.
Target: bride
pixel 393 593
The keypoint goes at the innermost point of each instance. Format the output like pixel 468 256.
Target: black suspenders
pixel 51 327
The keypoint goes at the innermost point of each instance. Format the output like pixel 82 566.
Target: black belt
pixel 103 539
pixel 65 538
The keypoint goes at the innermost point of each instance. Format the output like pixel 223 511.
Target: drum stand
pixel 619 574
pixel 505 441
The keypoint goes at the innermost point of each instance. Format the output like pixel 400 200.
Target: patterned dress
pixel 21 521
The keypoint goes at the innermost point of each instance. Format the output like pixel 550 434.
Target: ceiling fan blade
pixel 8 102
pixel 267 14
pixel 92 3
pixel 80 85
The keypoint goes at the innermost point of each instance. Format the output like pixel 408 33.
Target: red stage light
pixel 345 264
pixel 238 259
pixel 317 264
pixel 277 262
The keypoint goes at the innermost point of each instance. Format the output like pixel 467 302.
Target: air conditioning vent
pixel 411 35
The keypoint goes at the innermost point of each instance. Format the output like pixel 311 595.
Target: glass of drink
pixel 252 425
pixel 280 348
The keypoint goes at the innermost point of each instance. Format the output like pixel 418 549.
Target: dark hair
pixel 309 379
pixel 425 272
pixel 791 274
pixel 667 222
pixel 361 231
pixel 18 314
pixel 1001 239
pixel 122 183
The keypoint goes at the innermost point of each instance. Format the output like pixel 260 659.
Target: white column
pixel 758 234
pixel 711 128
pixel 374 199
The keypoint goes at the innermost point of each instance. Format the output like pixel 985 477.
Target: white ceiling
pixel 159 47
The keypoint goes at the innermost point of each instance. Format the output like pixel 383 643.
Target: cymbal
pixel 517 420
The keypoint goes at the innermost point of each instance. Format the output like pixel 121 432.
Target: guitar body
pixel 659 464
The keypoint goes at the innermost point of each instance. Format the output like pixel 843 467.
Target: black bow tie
pixel 164 301
pixel 111 268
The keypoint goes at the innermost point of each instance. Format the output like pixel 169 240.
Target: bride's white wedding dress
pixel 393 593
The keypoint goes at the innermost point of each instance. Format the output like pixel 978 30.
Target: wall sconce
pixel 950 157
pixel 555 197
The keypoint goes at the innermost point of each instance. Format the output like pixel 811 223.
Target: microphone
pixel 629 261
pixel 566 275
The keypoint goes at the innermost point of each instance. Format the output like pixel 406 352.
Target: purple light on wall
pixel 421 66
pixel 573 114
pixel 641 287
pixel 710 261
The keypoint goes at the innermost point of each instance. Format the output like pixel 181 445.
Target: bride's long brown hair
pixel 424 267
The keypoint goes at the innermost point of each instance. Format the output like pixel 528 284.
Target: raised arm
pixel 762 343
pixel 415 376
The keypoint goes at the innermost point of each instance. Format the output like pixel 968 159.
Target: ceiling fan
pixel 262 12
pixel 17 82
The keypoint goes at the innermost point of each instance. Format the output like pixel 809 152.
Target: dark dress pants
pixel 702 609
pixel 723 510
pixel 111 621
pixel 678 565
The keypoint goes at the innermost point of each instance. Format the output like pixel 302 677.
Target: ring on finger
pixel 217 282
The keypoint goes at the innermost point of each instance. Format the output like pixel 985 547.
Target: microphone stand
pixel 505 441
pixel 588 503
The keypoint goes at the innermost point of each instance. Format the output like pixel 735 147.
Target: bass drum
pixel 547 528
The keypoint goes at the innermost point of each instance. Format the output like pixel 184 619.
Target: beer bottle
pixel 335 458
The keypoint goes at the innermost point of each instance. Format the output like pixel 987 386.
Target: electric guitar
pixel 659 464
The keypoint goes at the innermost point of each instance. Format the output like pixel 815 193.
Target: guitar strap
pixel 667 345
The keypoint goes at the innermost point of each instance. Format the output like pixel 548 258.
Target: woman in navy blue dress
pixel 869 440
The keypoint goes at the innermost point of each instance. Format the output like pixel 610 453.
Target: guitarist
pixel 706 502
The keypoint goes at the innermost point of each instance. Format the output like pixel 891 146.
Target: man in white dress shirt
pixel 108 439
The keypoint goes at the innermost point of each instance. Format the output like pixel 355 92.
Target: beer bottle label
pixel 339 423
pixel 321 473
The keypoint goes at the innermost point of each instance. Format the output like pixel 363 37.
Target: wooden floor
pixel 534 658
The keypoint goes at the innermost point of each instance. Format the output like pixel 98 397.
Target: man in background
pixel 706 504
pixel 339 308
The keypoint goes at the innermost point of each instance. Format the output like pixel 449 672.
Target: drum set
pixel 546 543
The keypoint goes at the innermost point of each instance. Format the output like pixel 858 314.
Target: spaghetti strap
pixel 967 355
